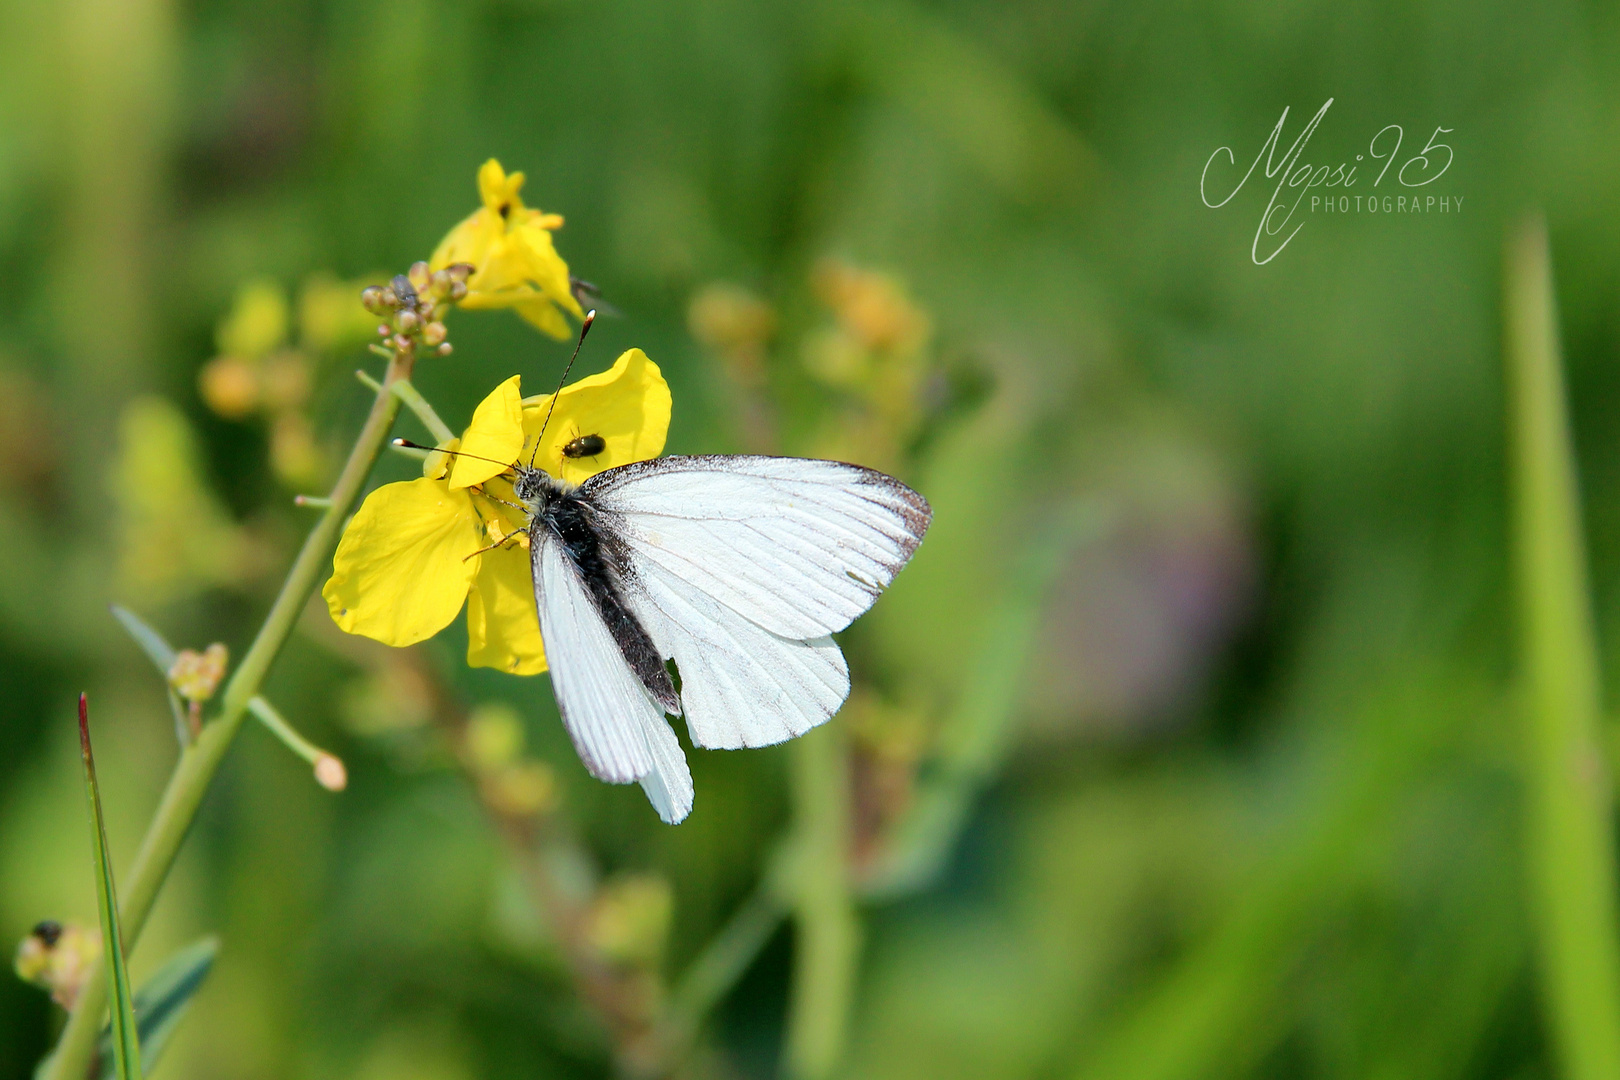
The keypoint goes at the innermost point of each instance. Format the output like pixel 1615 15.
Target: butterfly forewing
pixel 800 547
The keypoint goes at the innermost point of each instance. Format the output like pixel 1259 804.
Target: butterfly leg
pixel 499 543
pixel 503 502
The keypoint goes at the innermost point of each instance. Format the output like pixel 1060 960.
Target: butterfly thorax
pixel 567 515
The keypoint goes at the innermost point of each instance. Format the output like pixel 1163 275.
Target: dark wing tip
pixel 908 504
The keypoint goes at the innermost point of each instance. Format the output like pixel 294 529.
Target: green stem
pixel 201 760
pixel 290 737
pixel 1570 831
pixel 827 948
pixel 413 400
pixel 717 968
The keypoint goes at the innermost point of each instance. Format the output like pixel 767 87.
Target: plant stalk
pixel 1569 829
pixel 827 945
pixel 200 761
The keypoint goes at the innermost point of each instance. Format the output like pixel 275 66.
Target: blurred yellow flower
pixel 411 556
pixel 257 323
pixel 514 262
pixel 175 536
pixel 331 318
pixel 58 957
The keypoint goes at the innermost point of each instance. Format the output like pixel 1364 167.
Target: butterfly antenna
pixel 407 444
pixel 585 328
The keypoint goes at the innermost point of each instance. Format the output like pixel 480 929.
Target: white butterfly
pixel 737 568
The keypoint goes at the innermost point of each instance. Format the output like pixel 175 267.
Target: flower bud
pixel 418 274
pixel 196 675
pixel 494 736
pixel 444 350
pixel 458 290
pixel 524 789
pixel 285 380
pixel 433 333
pixel 257 323
pixel 408 321
pixel 58 958
pixel 330 773
pixel 372 297
pixel 294 454
pixel 388 298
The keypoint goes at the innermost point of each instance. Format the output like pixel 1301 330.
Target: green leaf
pixel 151 642
pixel 161 653
pixel 162 1001
pixel 125 1041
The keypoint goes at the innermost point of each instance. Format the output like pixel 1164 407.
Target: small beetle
pixel 585 446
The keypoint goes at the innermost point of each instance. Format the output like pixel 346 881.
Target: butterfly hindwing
pixel 619 732
pixel 741 685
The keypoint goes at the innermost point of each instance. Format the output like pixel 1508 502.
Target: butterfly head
pixel 533 486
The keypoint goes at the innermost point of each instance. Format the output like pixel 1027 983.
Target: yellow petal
pixel 436 466
pixel 498 188
pixel 627 405
pixel 546 268
pixel 503 629
pixel 496 434
pixel 469 241
pixel 504 272
pixel 543 315
pixel 401 570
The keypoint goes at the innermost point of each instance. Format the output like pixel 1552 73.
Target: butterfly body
pixel 568 518
pixel 737 568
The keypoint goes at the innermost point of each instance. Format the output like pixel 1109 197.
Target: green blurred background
pixel 1250 799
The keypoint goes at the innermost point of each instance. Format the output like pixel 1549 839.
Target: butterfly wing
pixel 742 567
pixel 741 685
pixel 619 731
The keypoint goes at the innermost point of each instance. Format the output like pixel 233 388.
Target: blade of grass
pixel 1570 831
pixel 126 1045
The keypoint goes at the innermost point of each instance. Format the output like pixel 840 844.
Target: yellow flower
pixel 514 262
pixel 411 556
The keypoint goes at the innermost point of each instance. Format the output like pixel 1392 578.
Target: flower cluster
pixel 418 550
pixel 516 264
pixel 415 303
pixel 875 355
pixel 259 369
